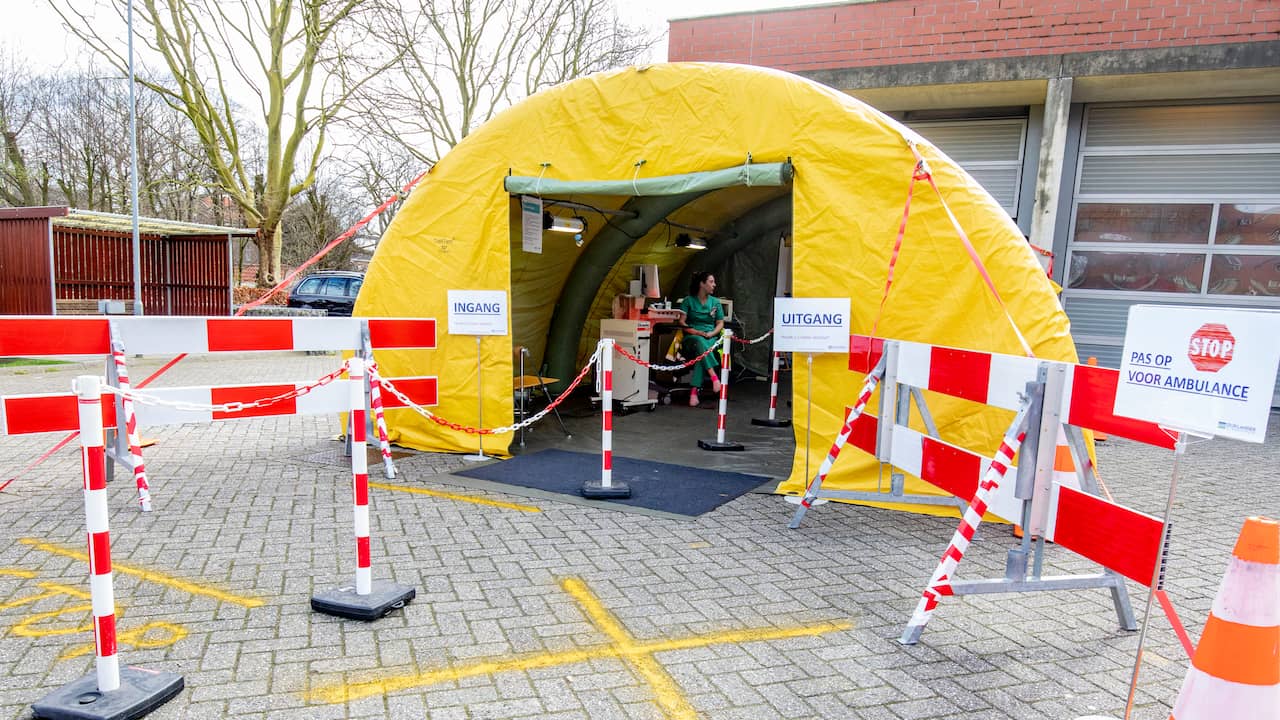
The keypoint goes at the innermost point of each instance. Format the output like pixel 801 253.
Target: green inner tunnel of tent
pixel 742 215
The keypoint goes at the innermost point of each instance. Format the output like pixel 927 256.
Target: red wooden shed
pixel 56 260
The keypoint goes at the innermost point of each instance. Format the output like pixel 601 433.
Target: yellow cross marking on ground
pixel 638 653
pixel 454 496
pixel 152 575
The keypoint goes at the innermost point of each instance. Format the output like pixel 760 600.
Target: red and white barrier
pixel 33 336
pixel 26 414
pixel 1055 490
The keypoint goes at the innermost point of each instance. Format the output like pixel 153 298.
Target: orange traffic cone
pixel 1235 672
pixel 1098 435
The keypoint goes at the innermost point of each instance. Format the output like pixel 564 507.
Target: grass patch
pixel 16 361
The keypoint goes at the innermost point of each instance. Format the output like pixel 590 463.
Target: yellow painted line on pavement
pixel 453 496
pixel 638 654
pixel 151 575
pixel 665 691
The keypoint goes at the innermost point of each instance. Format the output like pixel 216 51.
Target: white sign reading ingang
pixel 811 325
pixel 477 312
pixel 1203 370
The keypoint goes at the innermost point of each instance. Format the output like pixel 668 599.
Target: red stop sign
pixel 1211 347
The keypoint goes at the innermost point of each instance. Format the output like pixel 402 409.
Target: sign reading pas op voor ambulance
pixel 1203 370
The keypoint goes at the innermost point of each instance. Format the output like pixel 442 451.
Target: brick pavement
pixel 253 508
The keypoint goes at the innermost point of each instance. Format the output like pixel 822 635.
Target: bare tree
pixel 21 182
pixel 458 62
pixel 320 214
pixel 273 50
pixel 63 144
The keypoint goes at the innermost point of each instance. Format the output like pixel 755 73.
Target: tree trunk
pixel 268 255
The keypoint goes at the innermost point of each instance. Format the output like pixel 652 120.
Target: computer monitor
pixel 648 276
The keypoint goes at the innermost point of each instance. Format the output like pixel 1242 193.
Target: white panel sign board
pixel 477 312
pixel 531 224
pixel 1203 370
pixel 811 325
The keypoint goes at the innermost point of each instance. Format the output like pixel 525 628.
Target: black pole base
pixel 720 446
pixel 618 489
pixel 140 692
pixel 381 600
pixel 767 422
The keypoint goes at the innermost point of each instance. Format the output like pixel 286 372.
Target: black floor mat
pixel 658 486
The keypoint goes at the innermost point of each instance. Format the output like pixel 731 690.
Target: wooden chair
pixel 523 385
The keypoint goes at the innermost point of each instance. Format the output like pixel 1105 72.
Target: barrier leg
pixel 131 424
pixel 720 443
pixel 607 488
pixel 109 692
pixel 367 600
pixel 810 497
pixel 772 420
pixel 940 583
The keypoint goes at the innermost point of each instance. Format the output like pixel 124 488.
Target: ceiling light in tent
pixel 555 223
pixel 685 240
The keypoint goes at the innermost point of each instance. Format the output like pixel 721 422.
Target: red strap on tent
pixel 333 244
pixel 917 174
pixel 968 246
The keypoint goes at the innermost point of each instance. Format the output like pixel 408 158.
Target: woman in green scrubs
pixel 703 323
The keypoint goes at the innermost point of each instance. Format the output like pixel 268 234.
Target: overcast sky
pixel 34 31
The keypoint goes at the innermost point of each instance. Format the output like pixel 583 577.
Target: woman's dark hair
pixel 695 282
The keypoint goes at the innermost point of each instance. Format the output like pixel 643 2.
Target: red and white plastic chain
pixel 458 427
pixel 742 341
pixel 666 368
pixel 232 407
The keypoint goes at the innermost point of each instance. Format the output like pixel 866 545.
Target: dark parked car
pixel 333 291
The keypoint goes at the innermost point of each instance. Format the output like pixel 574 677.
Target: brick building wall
pixel 884 32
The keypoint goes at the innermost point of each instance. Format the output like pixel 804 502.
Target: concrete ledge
pixel 280 311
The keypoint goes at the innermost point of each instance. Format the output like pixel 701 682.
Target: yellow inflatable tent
pixel 743 153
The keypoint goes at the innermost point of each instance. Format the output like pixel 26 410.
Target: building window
pixel 1183 248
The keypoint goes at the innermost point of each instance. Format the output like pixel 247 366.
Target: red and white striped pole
pixel 131 425
pixel 606 488
pixel 772 420
pixel 726 342
pixel 380 421
pixel 367 600
pixel 360 476
pixel 135 691
pixel 940 583
pixel 93 463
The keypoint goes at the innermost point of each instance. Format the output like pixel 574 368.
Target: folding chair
pixel 523 385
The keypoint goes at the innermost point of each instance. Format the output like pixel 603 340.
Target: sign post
pixel 478 313
pixel 1198 372
pixel 810 325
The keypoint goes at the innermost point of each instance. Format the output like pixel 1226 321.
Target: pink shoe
pixel 693 398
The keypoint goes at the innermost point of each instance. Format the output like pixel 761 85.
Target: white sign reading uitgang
pixel 811 325
pixel 477 312
pixel 1204 370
